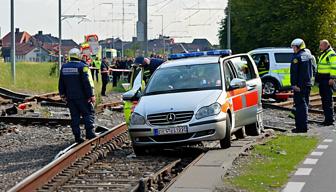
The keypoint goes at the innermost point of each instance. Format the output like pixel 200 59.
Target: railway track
pixel 34 120
pixel 14 96
pixel 315 104
pixel 106 163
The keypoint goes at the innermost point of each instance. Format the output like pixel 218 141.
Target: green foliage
pixel 265 23
pixel 269 165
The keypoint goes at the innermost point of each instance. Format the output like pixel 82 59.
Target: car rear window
pixel 283 57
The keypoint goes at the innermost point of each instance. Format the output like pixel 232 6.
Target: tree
pixel 264 23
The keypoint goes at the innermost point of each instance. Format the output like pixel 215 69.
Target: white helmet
pixel 298 43
pixel 74 53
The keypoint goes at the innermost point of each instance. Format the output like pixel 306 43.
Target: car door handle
pixel 251 87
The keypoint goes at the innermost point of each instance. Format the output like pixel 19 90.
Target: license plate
pixel 171 130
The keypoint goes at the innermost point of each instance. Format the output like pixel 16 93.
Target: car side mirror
pixel 237 83
pixel 132 95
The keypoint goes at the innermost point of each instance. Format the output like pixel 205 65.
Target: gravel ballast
pixel 29 148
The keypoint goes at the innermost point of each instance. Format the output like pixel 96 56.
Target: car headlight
pixel 137 119
pixel 213 109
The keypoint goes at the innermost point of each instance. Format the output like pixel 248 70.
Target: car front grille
pixel 163 118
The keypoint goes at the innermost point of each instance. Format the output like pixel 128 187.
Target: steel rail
pixel 271 106
pixel 44 175
pixel 14 96
pixel 34 120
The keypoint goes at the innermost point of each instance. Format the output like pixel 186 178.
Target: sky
pixel 178 22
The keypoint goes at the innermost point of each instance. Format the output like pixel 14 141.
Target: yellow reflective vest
pixel 327 63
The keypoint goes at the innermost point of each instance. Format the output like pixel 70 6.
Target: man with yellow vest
pixel 97 64
pixel 326 75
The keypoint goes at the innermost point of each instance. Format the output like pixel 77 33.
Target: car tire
pixel 256 128
pixel 269 87
pixel 140 151
pixel 226 141
pixel 240 133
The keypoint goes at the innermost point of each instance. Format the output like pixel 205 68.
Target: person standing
pixel 96 64
pixel 77 89
pixel 114 73
pixel 301 74
pixel 326 75
pixel 104 75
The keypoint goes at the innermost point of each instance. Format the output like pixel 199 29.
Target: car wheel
pixel 270 87
pixel 256 128
pixel 240 133
pixel 140 151
pixel 226 141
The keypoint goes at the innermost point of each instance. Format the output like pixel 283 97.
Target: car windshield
pixel 185 78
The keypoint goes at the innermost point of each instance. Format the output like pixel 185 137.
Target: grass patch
pixel 30 77
pixel 35 78
pixel 269 165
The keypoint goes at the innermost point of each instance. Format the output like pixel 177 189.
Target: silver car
pixel 198 99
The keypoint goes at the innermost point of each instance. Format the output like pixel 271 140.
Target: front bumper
pixel 201 130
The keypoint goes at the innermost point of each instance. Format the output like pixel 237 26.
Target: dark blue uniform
pixel 75 83
pixel 105 77
pixel 301 74
pixel 150 69
pixel 154 64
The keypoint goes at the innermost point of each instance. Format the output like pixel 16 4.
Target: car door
pixel 235 95
pixel 247 99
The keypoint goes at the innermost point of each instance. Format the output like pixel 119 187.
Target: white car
pixel 198 99
pixel 274 68
pixel 273 64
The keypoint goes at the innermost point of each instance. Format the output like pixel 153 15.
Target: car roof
pixel 273 49
pixel 190 61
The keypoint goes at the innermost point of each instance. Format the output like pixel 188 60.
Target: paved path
pixel 317 173
pixel 208 172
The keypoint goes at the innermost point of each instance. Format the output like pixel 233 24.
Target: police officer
pixel 150 65
pixel 76 87
pixel 301 73
pixel 263 65
pixel 105 75
pixel 326 75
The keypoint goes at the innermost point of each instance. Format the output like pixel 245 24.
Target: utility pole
pixel 229 26
pixel 13 55
pixel 122 28
pixel 59 35
pixel 60 19
pixel 142 26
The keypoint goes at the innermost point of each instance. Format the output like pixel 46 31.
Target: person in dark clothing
pixel 150 65
pixel 104 68
pixel 77 89
pixel 114 74
pixel 129 63
pixel 301 74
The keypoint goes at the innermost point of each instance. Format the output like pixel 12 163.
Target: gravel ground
pixel 29 148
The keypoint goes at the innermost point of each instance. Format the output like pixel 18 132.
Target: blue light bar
pixel 224 52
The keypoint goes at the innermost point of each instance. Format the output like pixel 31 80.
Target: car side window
pixel 262 61
pixel 283 57
pixel 228 75
pixel 244 67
